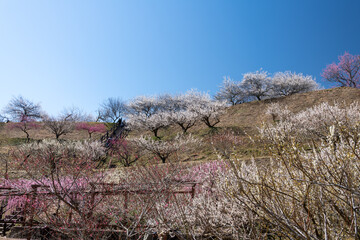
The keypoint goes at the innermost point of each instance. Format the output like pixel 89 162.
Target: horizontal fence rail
pixel 10 217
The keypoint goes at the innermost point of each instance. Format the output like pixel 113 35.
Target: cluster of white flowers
pixel 259 85
pixel 91 150
pixel 313 174
pixel 312 122
pixel 154 113
pixel 287 83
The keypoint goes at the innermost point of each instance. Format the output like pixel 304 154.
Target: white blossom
pixel 287 83
pixel 256 84
pixel 231 92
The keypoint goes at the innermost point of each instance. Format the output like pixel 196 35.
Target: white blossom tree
pixel 287 83
pixel 148 113
pixel 180 111
pixel 154 113
pixel 314 122
pixel 257 84
pixel 147 105
pixel 306 193
pixel 152 123
pixel 208 110
pixel 184 118
pixel 231 92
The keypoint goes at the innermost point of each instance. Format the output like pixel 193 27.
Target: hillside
pixel 242 119
pixel 248 116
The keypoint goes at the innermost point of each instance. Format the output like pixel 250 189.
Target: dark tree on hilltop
pixel 111 110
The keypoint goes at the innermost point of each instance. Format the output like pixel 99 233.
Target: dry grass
pixel 243 119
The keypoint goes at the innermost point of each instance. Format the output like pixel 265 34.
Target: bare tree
pixel 126 152
pixel 19 107
pixel 164 149
pixel 111 110
pixel 65 122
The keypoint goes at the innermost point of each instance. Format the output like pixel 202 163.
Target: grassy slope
pixel 249 115
pixel 242 119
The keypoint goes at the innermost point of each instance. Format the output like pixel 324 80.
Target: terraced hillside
pixel 243 120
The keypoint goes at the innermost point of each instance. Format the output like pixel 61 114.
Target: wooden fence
pixel 17 215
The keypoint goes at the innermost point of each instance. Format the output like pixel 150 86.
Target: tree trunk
pixel 155 131
pixel 27 137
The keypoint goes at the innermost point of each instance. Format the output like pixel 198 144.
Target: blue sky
pixel 80 52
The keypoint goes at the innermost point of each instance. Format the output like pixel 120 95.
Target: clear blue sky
pixel 80 52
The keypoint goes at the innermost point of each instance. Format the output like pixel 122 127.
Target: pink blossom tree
pixel 91 128
pixel 346 73
pixel 61 188
pixel 125 151
pixel 25 124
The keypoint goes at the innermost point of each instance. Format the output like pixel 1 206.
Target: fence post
pixel 4 230
pixel 34 187
pixel 193 190
pixel 125 200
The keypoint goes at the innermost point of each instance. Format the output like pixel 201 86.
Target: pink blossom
pixel 346 73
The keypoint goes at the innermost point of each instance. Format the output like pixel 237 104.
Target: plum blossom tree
pixel 125 151
pixel 184 118
pixel 257 84
pixel 312 123
pixel 25 124
pixel 231 92
pixel 147 105
pixel 19 107
pixel 278 112
pixel 66 183
pixel 179 111
pixel 287 83
pixel 154 113
pixel 306 193
pixel 148 113
pixel 152 123
pixel 91 127
pixel 346 72
pixel 207 110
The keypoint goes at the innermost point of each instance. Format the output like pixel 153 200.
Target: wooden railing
pixel 39 191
